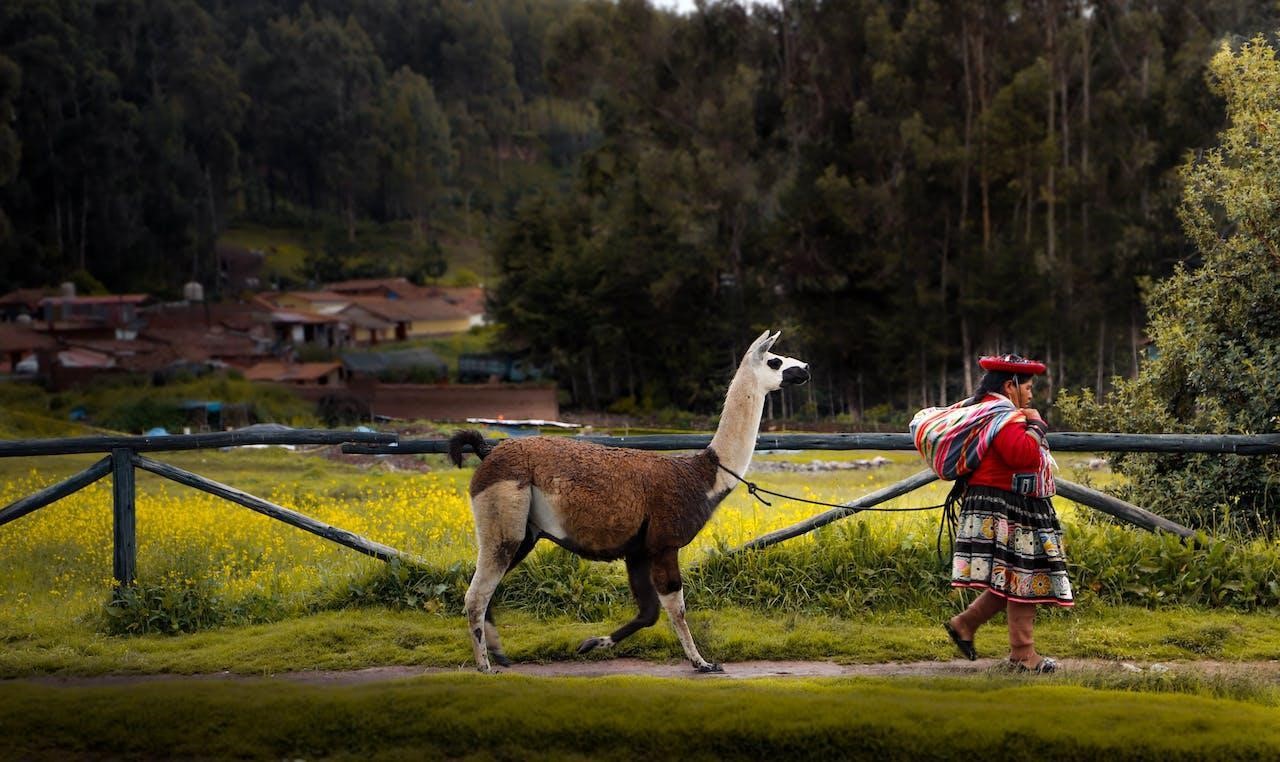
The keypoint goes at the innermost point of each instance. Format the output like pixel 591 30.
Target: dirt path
pixel 1267 671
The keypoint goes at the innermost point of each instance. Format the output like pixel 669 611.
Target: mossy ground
pixel 512 717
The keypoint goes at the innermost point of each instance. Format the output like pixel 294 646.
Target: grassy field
pixel 225 590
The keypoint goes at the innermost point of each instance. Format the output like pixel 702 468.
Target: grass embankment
pixel 509 717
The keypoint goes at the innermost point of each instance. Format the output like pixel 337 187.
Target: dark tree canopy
pixel 898 185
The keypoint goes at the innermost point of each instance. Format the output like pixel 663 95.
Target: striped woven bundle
pixel 954 439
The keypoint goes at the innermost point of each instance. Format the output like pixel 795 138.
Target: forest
pixel 897 185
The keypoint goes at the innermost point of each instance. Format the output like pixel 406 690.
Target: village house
pixel 407 318
pixel 320 302
pixel 298 327
pixel 386 288
pixel 118 312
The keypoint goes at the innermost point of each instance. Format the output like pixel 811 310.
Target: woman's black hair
pixel 993 383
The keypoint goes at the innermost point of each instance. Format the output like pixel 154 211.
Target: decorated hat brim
pixel 1024 368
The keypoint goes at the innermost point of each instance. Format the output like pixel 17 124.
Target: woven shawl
pixel 954 439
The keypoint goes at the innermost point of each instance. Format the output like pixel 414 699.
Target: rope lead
pixel 755 489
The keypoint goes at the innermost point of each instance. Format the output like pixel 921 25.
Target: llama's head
pixel 772 371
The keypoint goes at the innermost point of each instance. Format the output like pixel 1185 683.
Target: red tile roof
pixel 16 337
pixel 409 310
pixel 106 299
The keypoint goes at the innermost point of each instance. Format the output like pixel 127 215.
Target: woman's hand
pixel 1032 414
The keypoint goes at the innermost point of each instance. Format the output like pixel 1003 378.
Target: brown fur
pixel 606 495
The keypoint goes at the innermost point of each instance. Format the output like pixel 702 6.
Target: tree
pixel 1215 326
pixel 415 149
pixel 10 145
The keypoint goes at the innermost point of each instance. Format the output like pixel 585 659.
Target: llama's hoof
pixel 499 658
pixel 591 644
pixel 709 668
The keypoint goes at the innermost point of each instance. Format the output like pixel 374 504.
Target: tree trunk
pixel 1102 338
pixel 84 223
pixel 1048 376
pixel 1050 127
pixel 1084 147
pixel 1133 345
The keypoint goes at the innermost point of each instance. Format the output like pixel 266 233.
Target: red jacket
pixel 1015 450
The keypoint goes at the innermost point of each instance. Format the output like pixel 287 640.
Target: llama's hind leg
pixel 493 642
pixel 666 578
pixel 639 570
pixel 502 516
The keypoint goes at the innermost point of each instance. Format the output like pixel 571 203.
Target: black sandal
pixel 1047 665
pixel 966 646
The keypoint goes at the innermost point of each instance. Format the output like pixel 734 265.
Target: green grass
pixel 389 244
pixel 285 250
pixel 377 636
pixel 512 717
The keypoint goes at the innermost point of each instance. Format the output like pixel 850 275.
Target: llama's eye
pixel 775 363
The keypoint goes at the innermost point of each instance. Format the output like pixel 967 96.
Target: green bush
pixel 1215 329
pixel 172 606
pixel 138 415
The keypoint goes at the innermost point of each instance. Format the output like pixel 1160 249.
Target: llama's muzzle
pixel 795 376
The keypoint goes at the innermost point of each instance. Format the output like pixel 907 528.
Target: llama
pixel 605 503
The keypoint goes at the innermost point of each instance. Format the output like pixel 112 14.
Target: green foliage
pixel 654 188
pixel 406 585
pixel 1214 327
pixel 133 405
pixel 1122 566
pixel 169 607
pixel 140 414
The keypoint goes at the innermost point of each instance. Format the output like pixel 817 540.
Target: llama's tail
pixel 467 437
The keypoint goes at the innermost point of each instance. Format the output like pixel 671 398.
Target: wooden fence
pixel 122 457
pixel 1235 444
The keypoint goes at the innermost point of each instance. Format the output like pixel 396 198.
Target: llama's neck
pixel 735 439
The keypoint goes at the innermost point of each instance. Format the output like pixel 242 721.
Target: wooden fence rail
pixel 1069 441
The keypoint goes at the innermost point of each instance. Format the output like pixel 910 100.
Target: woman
pixel 1008 541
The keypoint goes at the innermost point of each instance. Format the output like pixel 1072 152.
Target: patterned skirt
pixel 1011 545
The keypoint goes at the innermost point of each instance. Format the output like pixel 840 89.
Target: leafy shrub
pixel 1216 329
pixel 174 605
pixel 405 585
pixel 138 415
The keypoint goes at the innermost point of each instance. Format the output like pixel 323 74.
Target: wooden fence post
pixel 124 533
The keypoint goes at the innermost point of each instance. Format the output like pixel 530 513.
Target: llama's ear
pixel 765 341
pixel 759 342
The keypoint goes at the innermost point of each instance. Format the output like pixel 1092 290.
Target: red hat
pixel 1012 364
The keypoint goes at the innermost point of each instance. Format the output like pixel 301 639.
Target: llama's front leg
pixel 666 578
pixel 639 576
